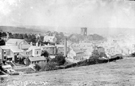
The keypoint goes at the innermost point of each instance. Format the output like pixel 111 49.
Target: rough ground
pixel 119 73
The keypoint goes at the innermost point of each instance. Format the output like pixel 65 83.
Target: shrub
pixel 133 54
pixel 98 52
pixel 2 42
pixel 46 55
pixel 37 67
pixel 59 59
pixel 46 66
pixel 50 66
pixel 42 65
pixel 29 70
pixel 53 63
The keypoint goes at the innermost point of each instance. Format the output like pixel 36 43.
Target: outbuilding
pixel 35 60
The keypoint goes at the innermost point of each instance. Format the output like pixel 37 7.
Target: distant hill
pixel 44 30
pixel 22 29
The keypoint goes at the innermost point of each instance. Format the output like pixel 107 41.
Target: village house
pixel 33 55
pixel 2 52
pixel 60 49
pixel 12 48
pixel 34 51
pixel 51 39
pixel 37 59
pixel 20 43
pixel 9 52
pixel 76 55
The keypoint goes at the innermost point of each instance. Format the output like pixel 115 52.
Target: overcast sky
pixel 100 16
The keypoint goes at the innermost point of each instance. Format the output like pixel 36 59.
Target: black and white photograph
pixel 67 42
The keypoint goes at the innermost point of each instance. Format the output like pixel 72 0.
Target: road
pixel 119 73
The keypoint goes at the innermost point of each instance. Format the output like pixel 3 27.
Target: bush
pixel 29 70
pixel 2 42
pixel 59 59
pixel 53 63
pixel 46 66
pixel 50 66
pixel 98 52
pixel 42 65
pixel 46 55
pixel 133 54
pixel 37 67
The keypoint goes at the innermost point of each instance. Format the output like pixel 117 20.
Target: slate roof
pixel 15 49
pixel 4 47
pixel 14 41
pixel 12 48
pixel 48 46
pixel 38 58
pixel 78 51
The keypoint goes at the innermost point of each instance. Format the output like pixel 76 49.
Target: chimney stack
pixel 31 44
pixel 1 56
pixel 37 44
pixel 65 47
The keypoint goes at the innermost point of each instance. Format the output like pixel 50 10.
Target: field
pixel 119 73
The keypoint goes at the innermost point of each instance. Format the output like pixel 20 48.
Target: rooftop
pixel 15 49
pixel 48 46
pixel 12 48
pixel 4 47
pixel 38 58
pixel 14 41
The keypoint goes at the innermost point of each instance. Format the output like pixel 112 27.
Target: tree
pixel 33 38
pixel 2 42
pixel 60 36
pixel 19 36
pixel 25 36
pixel 4 34
pixel 41 40
pixel 0 34
pixel 37 67
pixel 46 55
pixel 10 35
pixel 59 59
pixel 29 38
pixel 15 35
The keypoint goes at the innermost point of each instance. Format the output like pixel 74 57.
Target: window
pixel 37 51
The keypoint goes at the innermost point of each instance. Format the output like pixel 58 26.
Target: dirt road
pixel 119 73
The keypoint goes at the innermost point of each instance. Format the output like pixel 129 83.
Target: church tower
pixel 84 31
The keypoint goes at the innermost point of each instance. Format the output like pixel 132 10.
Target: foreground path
pixel 119 73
